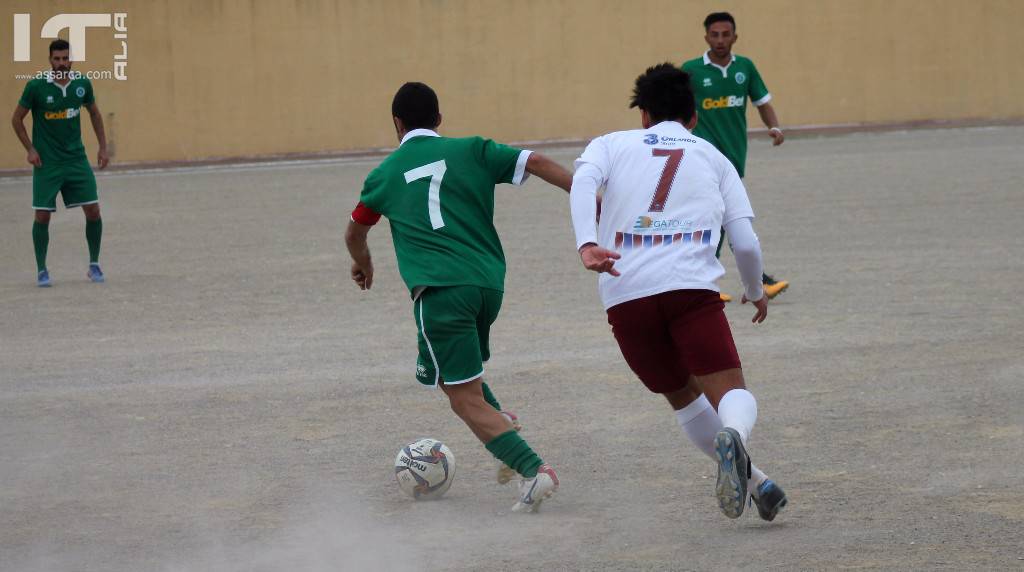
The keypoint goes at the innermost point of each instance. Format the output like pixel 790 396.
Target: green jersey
pixel 438 194
pixel 56 121
pixel 721 94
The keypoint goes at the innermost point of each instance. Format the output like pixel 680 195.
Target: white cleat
pixel 505 472
pixel 532 492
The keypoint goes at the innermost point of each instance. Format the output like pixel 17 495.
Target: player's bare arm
pixel 771 121
pixel 18 122
pixel 359 250
pixel 102 158
pixel 549 171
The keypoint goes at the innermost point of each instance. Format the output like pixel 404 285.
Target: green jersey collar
pixel 725 69
pixel 418 133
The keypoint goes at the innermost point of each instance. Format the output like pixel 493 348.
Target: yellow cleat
pixel 775 288
pixel 725 297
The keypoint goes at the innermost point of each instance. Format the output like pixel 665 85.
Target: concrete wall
pixel 229 78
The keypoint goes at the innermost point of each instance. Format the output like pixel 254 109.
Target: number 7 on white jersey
pixel 436 172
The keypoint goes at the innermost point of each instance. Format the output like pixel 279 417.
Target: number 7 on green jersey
pixel 436 172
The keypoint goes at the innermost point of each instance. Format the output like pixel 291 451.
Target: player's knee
pixel 43 217
pixel 92 212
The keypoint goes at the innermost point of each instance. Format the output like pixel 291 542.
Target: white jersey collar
pixel 725 68
pixel 670 126
pixel 418 133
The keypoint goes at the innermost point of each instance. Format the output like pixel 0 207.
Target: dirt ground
pixel 228 400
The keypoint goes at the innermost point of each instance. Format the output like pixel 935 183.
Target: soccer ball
pixel 425 469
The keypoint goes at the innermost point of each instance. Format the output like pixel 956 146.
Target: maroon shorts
pixel 668 336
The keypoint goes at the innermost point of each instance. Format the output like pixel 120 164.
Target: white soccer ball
pixel 425 469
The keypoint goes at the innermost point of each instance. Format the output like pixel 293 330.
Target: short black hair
pixel 416 105
pixel 58 45
pixel 664 92
pixel 719 17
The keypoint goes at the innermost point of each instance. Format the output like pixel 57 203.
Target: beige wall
pixel 229 78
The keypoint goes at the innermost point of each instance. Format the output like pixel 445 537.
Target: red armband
pixel 364 215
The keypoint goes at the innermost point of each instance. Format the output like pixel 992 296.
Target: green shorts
pixel 74 181
pixel 453 326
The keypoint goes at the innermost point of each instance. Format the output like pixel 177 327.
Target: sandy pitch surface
pixel 230 401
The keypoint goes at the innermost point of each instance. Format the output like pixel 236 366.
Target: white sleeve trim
pixel 521 175
pixel 763 100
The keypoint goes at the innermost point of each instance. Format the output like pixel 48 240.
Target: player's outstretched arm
pixel 746 249
pixel 549 170
pixel 18 122
pixel 359 250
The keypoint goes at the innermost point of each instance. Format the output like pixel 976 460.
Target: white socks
pixel 700 423
pixel 738 410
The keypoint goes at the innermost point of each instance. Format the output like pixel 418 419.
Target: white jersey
pixel 667 195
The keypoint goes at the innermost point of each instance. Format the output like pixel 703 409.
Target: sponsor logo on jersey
pixel 707 82
pixel 653 139
pixel 627 241
pixel 741 77
pixel 69 113
pixel 645 223
pixel 724 101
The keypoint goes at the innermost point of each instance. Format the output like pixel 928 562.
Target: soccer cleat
pixel 532 492
pixel 505 472
pixel 95 274
pixel 733 472
pixel 770 500
pixel 773 287
pixel 725 297
pixel 43 280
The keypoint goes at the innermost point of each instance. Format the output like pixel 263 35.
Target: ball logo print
pixel 425 469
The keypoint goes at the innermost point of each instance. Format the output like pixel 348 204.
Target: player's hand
pixel 761 306
pixel 777 137
pixel 34 158
pixel 362 276
pixel 599 259
pixel 102 159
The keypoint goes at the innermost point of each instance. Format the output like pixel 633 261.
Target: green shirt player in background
pixel 58 156
pixel 723 83
pixel 438 194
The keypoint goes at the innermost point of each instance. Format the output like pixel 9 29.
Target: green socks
pixel 489 397
pixel 93 233
pixel 512 450
pixel 41 241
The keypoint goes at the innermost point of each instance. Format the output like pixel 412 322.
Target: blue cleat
pixel 43 280
pixel 770 500
pixel 95 274
pixel 733 472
